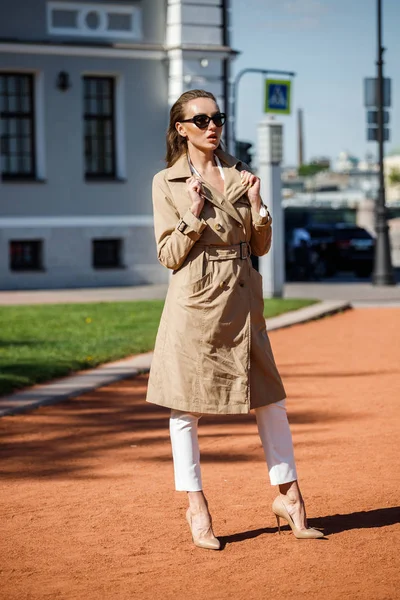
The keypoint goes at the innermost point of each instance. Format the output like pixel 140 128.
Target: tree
pixel 311 169
pixel 394 176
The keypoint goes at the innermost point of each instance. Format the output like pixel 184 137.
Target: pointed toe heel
pixel 280 511
pixel 211 543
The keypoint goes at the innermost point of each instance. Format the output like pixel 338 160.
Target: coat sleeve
pixel 261 227
pixel 261 233
pixel 175 235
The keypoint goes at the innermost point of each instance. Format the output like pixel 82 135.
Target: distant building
pixel 291 182
pixel 368 164
pixel 346 162
pixel 321 161
pixel 85 90
pixel 332 199
pixel 328 181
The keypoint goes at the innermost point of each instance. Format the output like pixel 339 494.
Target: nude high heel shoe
pixel 210 543
pixel 279 509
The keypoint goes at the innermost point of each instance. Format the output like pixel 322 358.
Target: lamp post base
pixel 383 279
pixel 383 271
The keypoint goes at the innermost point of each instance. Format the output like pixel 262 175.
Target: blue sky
pixel 331 45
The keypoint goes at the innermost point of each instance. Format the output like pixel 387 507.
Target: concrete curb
pixel 74 385
pixel 308 313
pixel 87 381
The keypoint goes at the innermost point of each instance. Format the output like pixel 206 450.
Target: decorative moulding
pixel 94 20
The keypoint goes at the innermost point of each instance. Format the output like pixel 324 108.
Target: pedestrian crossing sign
pixel 277 96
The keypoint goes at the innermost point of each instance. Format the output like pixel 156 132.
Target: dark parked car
pixel 298 255
pixel 323 246
pixel 342 247
pixel 355 248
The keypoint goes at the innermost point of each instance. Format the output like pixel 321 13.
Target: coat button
pixel 222 284
pixel 218 226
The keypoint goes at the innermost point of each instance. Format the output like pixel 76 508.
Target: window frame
pixel 112 118
pixel 120 246
pixel 31 115
pixel 18 269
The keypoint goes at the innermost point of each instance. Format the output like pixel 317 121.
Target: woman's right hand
pixel 195 190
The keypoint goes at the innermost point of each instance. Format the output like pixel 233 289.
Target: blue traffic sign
pixel 277 96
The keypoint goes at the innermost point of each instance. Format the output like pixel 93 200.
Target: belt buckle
pixel 241 244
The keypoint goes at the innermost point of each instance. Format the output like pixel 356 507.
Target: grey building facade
pixel 85 90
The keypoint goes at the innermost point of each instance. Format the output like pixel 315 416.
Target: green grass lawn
pixel 39 343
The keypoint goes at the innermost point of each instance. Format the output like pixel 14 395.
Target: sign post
pixel 371 101
pixel 235 89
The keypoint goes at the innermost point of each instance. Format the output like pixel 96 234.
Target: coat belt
pixel 241 250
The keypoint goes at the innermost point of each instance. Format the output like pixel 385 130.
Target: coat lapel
pixel 233 186
pixel 222 203
pixel 233 183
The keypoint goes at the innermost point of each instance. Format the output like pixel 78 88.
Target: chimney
pixel 300 139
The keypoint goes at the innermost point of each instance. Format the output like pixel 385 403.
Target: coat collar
pixel 233 185
pixel 181 169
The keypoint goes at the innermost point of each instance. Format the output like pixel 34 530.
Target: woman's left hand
pixel 252 183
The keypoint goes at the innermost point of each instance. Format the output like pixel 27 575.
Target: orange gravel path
pixel 88 510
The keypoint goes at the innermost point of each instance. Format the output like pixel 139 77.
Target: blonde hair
pixel 177 144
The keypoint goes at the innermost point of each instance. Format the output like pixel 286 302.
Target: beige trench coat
pixel 212 353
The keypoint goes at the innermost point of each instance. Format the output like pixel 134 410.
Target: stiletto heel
pixel 279 510
pixel 210 543
pixel 278 520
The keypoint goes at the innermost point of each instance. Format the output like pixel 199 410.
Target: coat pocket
pixel 195 289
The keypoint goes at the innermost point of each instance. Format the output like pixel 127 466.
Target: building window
pixel 107 253
pixel 26 255
pixel 17 131
pixel 99 123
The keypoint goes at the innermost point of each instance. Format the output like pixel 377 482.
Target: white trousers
pixel 274 432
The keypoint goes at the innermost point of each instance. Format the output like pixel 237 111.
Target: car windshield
pixel 353 233
pixel 320 232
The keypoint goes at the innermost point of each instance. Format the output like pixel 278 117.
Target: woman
pixel 212 352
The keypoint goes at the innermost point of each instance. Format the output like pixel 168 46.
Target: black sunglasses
pixel 202 121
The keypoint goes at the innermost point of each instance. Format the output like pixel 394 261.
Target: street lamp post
pixel 235 96
pixel 383 271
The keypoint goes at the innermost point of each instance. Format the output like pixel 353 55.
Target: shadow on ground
pixel 111 419
pixel 330 524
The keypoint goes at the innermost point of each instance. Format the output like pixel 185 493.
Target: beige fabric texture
pixel 212 352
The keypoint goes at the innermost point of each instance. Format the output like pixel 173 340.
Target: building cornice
pixel 217 51
pixel 148 51
pixel 120 50
pixel 78 221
